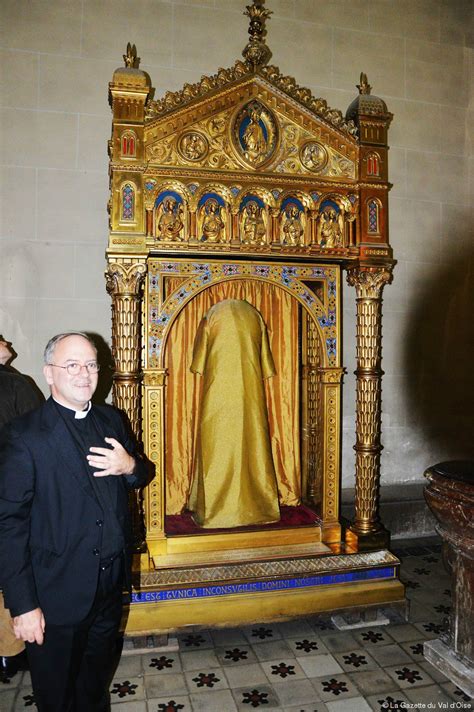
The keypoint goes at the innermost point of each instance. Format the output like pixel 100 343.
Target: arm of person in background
pixel 17 483
pixel 27 397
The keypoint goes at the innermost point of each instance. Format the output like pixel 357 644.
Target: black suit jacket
pixel 17 395
pixel 50 518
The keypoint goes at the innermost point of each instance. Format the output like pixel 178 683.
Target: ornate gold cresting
pixel 221 80
pixel 256 52
pixel 369 281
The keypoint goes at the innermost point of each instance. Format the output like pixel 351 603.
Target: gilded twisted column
pixel 125 278
pixel 369 282
pixel 125 285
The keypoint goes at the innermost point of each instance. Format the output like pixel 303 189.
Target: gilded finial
pixel 364 86
pixel 256 51
pixel 131 60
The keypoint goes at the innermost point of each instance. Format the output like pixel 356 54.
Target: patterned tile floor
pixel 299 666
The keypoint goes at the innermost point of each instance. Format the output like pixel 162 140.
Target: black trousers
pixel 71 671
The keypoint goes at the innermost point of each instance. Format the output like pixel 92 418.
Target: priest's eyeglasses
pixel 75 368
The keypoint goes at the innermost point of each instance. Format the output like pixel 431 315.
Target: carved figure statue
pixel 330 229
pixel 254 138
pixel 212 224
pixel 254 229
pixel 170 223
pixel 234 476
pixel 293 229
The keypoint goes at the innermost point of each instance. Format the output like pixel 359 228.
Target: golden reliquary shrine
pixel 236 206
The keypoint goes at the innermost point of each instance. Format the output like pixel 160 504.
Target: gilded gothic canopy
pixel 246 160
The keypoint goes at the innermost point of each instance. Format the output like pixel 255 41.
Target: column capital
pixel 155 378
pixel 369 280
pixel 331 375
pixel 125 276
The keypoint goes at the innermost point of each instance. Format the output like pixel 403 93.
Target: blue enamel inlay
pixel 262 586
pixel 243 125
pixel 329 203
pixel 216 197
pixel 289 199
pixel 170 194
pixel 248 198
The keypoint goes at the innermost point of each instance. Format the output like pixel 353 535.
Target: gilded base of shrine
pixel 231 541
pixel 369 541
pixel 221 593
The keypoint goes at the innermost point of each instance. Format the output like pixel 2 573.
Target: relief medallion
pixel 193 146
pixel 314 156
pixel 255 133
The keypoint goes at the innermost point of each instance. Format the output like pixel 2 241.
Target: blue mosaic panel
pixel 154 345
pixel 154 283
pixel 331 347
pixel 128 202
pixel 261 270
pixel 373 216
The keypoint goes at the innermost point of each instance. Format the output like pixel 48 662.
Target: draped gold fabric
pixel 183 395
pixel 234 481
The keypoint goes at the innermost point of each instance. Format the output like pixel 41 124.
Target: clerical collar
pixel 78 414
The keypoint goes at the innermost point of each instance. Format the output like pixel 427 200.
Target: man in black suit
pixel 65 472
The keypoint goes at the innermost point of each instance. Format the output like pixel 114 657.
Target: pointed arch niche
pixel 300 306
pixel 248 187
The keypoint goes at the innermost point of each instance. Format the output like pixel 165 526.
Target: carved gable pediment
pixel 248 123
